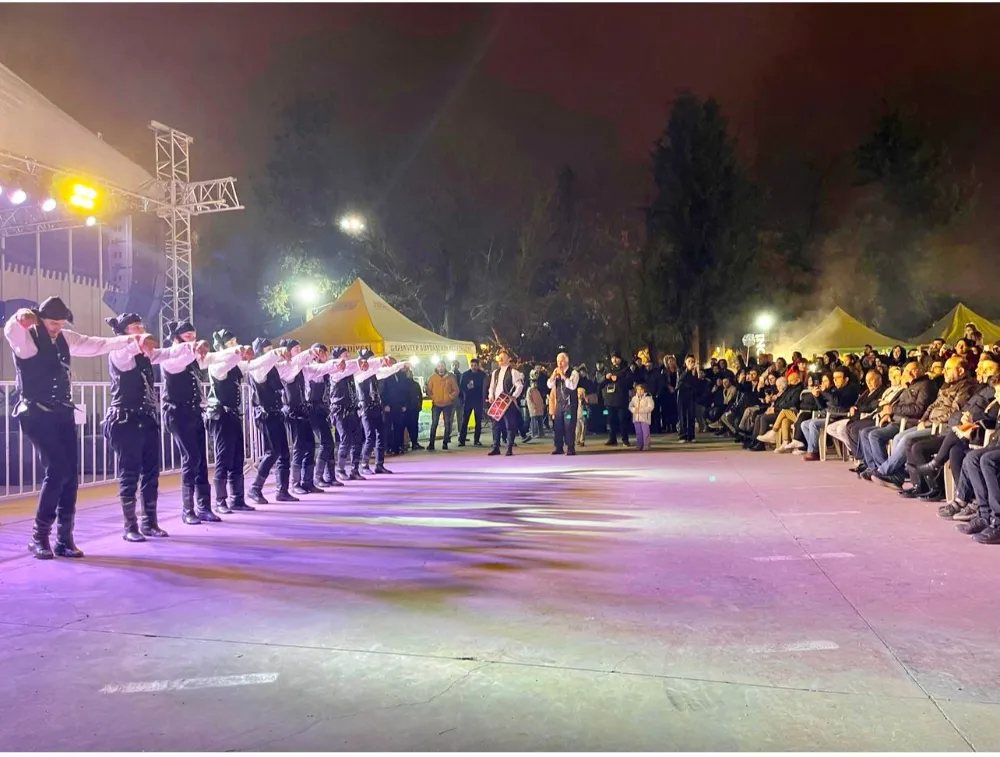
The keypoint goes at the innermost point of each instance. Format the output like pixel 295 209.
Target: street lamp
pixel 353 225
pixel 306 294
pixel 765 321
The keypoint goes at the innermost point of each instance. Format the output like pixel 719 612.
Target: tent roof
pixel 840 331
pixel 951 327
pixel 360 318
pixel 33 127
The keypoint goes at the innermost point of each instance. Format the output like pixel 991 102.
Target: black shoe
pixel 241 507
pixel 355 476
pixel 430 447
pixel 492 452
pixel 444 446
pixel 973 527
pixel 461 444
pixel 332 482
pixel 859 468
pixel 526 438
pixel 299 489
pixel 69 550
pixel 477 444
pixel 367 471
pixel 205 515
pixel 150 528
pixel 41 549
pixel 571 453
pixel 131 533
pixel 190 518
pixel 908 493
pixel 283 496
pixel 381 469
pixel 557 452
pixel 610 443
pixel 256 496
pixel 866 474
pixel 929 469
pixel 509 453
pixel 990 535
pixel 223 508
pixel 416 446
pixel 934 495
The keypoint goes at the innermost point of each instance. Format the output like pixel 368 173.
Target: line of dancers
pixel 295 393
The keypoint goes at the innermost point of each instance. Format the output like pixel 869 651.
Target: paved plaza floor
pixel 688 598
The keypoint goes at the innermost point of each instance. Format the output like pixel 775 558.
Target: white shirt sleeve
pixel 92 346
pixel 351 368
pixel 492 393
pixel 290 369
pixel 123 358
pixel 573 381
pixel 373 365
pixel 176 358
pixel 518 378
pixel 384 373
pixel 20 343
pixel 220 363
pixel 258 368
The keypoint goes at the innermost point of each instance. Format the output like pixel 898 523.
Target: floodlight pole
pixel 183 199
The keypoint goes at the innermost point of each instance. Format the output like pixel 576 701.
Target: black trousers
pixel 619 421
pixel 473 406
pixel 564 428
pixel 300 431
pixel 53 435
pixel 136 442
pixel 953 451
pixel 350 438
pixel 411 422
pixel 374 435
pixel 272 429
pixel 508 424
pixel 854 428
pixel 188 431
pixel 685 415
pixel 230 455
pixel 394 431
pixel 319 420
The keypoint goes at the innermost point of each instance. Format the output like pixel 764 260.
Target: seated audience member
pixel 837 399
pixel 909 406
pixel 865 406
pixel 809 403
pixel 860 422
pixel 926 458
pixel 959 386
pixel 981 469
pixel 781 413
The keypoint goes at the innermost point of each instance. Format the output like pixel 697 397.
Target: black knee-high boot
pixel 148 526
pixel 65 546
pixel 188 515
pixel 203 493
pixel 131 532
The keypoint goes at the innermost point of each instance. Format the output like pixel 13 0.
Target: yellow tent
pixel 951 327
pixel 838 331
pixel 360 318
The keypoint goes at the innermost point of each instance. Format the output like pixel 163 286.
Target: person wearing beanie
pixel 132 423
pixel 43 349
pixel 370 407
pixel 344 410
pixel 266 398
pixel 322 375
pixel 224 414
pixel 295 375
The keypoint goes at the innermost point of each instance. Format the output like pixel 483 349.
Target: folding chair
pixel 838 446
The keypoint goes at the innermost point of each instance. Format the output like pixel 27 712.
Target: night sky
pixel 815 73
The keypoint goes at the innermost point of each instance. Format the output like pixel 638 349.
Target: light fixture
pixel 765 321
pixel 435 359
pixel 451 356
pixel 91 221
pixel 18 196
pixel 414 360
pixel 307 294
pixel 48 205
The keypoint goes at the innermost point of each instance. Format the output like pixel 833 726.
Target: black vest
pixel 267 395
pixel 293 394
pixel 508 380
pixel 133 391
pixel 565 399
pixel 344 397
pixel 226 392
pixel 368 397
pixel 182 390
pixel 45 378
pixel 319 392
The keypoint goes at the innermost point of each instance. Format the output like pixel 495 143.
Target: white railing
pixel 21 473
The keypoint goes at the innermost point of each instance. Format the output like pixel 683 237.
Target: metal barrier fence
pixel 21 472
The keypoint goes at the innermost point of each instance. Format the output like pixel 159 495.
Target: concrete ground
pixel 691 598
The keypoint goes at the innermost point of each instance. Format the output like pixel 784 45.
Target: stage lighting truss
pixel 171 195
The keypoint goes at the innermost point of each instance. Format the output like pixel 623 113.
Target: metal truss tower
pixel 181 200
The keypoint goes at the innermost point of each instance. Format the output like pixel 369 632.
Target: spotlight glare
pixel 451 355
pixel 81 202
pixel 18 196
pixel 91 221
pixel 435 359
pixel 49 205
pixel 414 360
